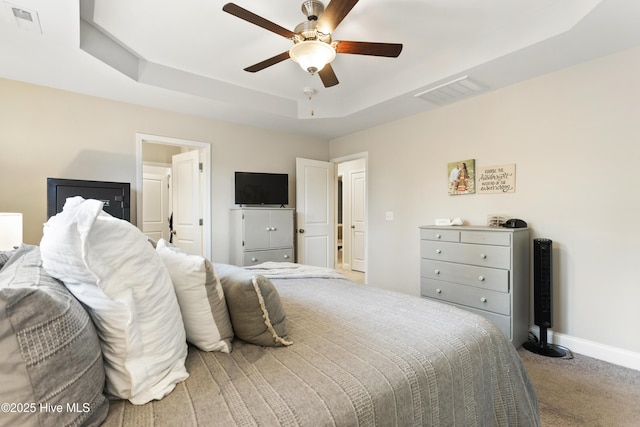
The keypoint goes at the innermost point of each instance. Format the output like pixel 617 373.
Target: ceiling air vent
pixel 24 19
pixel 454 90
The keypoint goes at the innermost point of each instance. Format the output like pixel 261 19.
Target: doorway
pixel 146 144
pixel 351 218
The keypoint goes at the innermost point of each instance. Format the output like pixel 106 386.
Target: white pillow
pixel 109 265
pixel 200 296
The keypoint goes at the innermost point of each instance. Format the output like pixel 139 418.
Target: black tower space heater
pixel 543 298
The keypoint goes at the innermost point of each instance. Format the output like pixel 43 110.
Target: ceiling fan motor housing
pixel 307 29
pixel 312 9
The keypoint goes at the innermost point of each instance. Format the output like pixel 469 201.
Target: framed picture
pixel 497 179
pixel 462 177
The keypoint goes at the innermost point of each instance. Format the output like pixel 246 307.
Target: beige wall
pixel 159 153
pixel 51 133
pixel 574 136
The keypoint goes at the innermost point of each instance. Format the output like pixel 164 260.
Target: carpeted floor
pixel 583 391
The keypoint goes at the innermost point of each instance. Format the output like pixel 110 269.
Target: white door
pixel 155 197
pixel 315 182
pixel 358 215
pixel 187 211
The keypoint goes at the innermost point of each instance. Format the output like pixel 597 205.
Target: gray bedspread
pixel 361 357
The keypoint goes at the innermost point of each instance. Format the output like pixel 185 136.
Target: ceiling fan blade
pixel 268 62
pixel 334 14
pixel 328 76
pixel 369 48
pixel 251 17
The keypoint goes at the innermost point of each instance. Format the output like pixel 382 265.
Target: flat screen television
pixel 256 188
pixel 115 195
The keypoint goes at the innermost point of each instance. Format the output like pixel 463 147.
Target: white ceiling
pixel 188 56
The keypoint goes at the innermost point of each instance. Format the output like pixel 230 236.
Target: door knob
pixel 301 230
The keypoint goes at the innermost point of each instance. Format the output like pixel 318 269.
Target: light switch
pixel 388 216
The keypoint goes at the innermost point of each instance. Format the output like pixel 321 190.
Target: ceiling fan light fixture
pixel 312 55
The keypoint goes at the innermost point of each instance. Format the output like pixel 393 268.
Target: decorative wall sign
pixel 462 177
pixel 497 179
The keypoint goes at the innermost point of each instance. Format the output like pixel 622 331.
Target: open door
pixel 155 191
pixel 358 218
pixel 315 181
pixel 187 212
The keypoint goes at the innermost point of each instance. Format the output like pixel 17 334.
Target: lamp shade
pixel 312 55
pixel 10 230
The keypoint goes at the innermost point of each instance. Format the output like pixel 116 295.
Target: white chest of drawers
pixel 481 269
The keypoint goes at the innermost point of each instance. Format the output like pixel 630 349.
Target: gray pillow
pixel 50 349
pixel 254 306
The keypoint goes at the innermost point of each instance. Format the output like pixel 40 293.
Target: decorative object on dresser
pixel 481 269
pixel 261 234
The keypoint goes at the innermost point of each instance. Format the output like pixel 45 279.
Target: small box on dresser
pixel 261 234
pixel 481 269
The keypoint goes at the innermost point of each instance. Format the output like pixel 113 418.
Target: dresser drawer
pixel 486 238
pixel 465 253
pixel 444 235
pixel 278 255
pixel 483 277
pixel 483 299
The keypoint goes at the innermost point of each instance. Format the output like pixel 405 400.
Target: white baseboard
pixel 617 356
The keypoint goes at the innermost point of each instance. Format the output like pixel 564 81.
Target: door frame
pixel 363 155
pixel 206 170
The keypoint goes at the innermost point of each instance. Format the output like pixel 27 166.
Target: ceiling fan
pixel 313 48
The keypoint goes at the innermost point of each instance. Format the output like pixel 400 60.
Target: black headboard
pixel 115 195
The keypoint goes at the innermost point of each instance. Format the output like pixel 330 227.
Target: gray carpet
pixel 584 391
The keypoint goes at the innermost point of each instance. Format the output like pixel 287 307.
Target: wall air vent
pixel 454 90
pixel 24 19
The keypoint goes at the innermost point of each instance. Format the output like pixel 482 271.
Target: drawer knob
pixel 438 291
pixel 483 256
pixel 438 251
pixel 483 299
pixel 254 259
pixel 481 278
pixel 286 256
pixel 438 236
pixel 268 228
pixel 436 271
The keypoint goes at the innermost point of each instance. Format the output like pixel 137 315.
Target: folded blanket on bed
pixel 290 270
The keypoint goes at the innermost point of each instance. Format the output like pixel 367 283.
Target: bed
pixel 97 312
pixel 361 356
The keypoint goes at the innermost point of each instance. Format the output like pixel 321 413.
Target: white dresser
pixel 481 269
pixel 261 234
